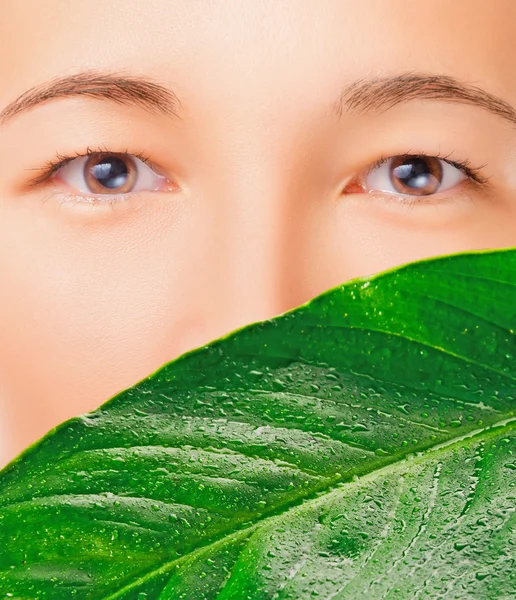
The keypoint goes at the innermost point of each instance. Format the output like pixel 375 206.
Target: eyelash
pixel 51 167
pixel 465 166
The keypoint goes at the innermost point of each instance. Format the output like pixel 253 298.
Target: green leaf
pixel 361 446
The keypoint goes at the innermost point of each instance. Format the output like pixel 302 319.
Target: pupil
pixel 414 173
pixel 110 172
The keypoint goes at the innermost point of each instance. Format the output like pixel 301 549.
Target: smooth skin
pixel 259 194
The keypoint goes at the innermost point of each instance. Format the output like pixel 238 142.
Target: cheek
pixel 362 238
pixel 89 310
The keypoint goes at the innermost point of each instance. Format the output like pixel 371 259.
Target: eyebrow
pixel 383 93
pixel 363 95
pixel 117 88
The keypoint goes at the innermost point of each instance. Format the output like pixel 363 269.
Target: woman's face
pixel 172 170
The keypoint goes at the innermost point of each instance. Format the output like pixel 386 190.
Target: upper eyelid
pixel 474 173
pixel 50 168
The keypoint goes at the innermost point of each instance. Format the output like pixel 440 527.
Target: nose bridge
pixel 252 181
pixel 253 231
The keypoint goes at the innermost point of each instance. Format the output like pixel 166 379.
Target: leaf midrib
pixel 508 424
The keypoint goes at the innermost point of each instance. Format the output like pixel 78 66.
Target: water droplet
pixel 359 427
pixel 278 385
pixel 460 545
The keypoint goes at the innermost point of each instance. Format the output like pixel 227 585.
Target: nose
pixel 257 214
pixel 254 251
pixel 253 211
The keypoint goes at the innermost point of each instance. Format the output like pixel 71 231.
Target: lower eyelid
pixel 95 207
pixel 459 192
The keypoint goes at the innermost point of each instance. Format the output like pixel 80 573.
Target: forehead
pixel 268 54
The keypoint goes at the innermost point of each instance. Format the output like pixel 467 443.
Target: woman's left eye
pixel 412 175
pixel 109 174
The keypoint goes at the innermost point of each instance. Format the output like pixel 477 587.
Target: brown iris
pixel 110 173
pixel 416 175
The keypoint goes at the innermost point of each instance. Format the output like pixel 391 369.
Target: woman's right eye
pixel 109 174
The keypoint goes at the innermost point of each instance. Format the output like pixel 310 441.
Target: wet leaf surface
pixel 360 446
